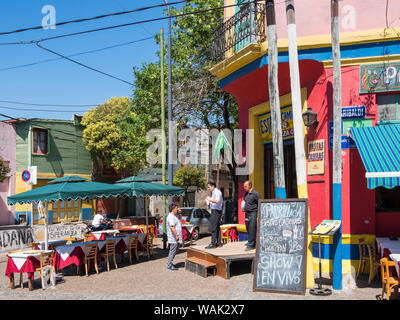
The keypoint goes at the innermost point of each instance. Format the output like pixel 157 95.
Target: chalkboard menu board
pixel 281 250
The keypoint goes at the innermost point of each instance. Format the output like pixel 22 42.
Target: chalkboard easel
pixel 281 246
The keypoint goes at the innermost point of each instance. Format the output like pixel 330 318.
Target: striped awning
pixel 379 148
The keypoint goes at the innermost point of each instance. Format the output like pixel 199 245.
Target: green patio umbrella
pixel 142 187
pixel 69 188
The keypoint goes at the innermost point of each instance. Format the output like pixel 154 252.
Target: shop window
pixel 388 108
pixel 387 199
pixel 40 141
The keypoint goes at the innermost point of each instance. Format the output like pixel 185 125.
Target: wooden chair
pixel 34 245
pixel 225 237
pixel 147 245
pixel 388 282
pixel 368 256
pixel 90 251
pixel 133 245
pixel 46 260
pixel 109 252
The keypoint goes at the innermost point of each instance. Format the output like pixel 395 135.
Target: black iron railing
pixel 245 27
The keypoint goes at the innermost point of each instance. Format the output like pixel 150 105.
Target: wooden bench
pixel 200 266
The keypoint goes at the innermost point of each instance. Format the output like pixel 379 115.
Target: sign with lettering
pixel 316 157
pixel 264 123
pixel 356 123
pixel 280 263
pixel 347 142
pixel 380 77
pixel 357 112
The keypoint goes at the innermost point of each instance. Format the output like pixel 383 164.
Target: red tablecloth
pixel 28 267
pixel 75 257
pixel 233 234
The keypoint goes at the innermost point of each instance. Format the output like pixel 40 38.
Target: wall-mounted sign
pixel 316 157
pixel 264 123
pixel 357 112
pixel 380 77
pixel 355 123
pixel 347 143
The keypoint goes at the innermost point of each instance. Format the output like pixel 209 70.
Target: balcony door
pixel 243 24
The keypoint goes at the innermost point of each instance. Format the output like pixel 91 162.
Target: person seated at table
pixel 98 222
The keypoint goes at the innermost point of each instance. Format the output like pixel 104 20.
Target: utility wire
pixel 83 65
pixel 22 109
pixel 50 105
pixel 92 18
pixel 76 54
pixel 125 25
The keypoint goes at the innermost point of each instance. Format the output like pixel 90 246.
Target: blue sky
pixel 61 81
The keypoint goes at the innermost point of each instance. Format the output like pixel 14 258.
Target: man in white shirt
pixel 174 234
pixel 98 221
pixel 215 202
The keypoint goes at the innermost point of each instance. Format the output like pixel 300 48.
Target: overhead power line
pixel 76 54
pixel 50 105
pixel 125 24
pixel 92 18
pixel 47 110
pixel 83 65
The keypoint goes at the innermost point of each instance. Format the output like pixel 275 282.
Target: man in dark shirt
pixel 251 198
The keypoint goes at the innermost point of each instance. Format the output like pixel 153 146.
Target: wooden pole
pixel 163 157
pixel 46 225
pixel 337 145
pixel 301 172
pixel 273 87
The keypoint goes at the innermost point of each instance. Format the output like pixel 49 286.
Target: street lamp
pixel 310 119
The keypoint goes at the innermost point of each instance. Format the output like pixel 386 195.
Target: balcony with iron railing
pixel 247 26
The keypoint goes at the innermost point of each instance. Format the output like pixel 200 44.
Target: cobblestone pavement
pixel 150 280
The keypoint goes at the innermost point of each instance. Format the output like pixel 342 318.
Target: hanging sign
pixel 264 123
pixel 380 77
pixel 316 157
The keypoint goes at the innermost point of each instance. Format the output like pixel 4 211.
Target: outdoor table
pixel 187 232
pixel 134 228
pixel 50 244
pixel 122 242
pixel 23 262
pixel 233 233
pixel 102 234
pixel 396 258
pixel 73 253
pixel 386 246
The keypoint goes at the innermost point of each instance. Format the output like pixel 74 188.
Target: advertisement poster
pixel 264 122
pixel 316 157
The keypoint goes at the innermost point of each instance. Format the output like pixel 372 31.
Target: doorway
pixel 290 170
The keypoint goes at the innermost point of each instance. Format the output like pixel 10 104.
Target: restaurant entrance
pixel 290 171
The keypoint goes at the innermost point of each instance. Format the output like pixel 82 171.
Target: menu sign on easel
pixel 281 247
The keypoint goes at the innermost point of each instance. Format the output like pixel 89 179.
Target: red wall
pixel 358 203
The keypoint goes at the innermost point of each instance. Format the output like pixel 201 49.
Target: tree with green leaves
pixel 198 101
pixel 115 136
pixel 186 177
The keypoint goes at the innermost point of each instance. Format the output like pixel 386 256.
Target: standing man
pixel 215 202
pixel 251 198
pixel 174 233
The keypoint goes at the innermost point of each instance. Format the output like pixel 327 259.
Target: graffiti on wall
pixel 15 238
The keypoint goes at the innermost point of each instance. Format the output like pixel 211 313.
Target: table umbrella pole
pixel 46 226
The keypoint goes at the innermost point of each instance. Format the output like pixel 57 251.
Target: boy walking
pixel 174 233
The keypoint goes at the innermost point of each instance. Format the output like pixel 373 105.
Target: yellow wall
pixel 257 148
